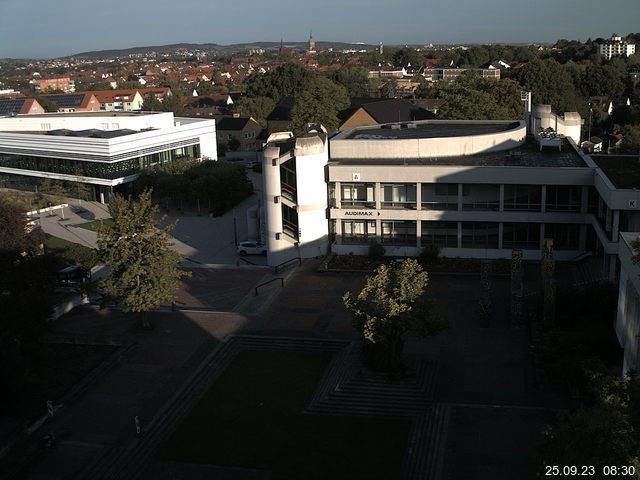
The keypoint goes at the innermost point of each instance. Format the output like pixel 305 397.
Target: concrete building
pixel 295 195
pixel 616 46
pixel 103 150
pixel 66 84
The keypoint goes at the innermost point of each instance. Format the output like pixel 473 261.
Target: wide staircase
pixel 345 389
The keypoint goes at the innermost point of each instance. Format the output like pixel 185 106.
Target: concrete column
pixel 378 229
pixel 459 197
pixel 419 197
pixel 459 234
pixel 500 234
pixel 616 225
pixel 378 197
pixel 502 197
pixel 339 231
pixel 419 233
pixel 338 194
pixel 541 237
pixel 543 198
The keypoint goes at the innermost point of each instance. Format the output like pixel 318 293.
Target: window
pixel 290 222
pixel 481 197
pixel 440 196
pixel 523 198
pixel 402 195
pixel 479 235
pixel 399 233
pixel 565 236
pixel 442 234
pixel 521 235
pixel 358 231
pixel 359 195
pixel 560 198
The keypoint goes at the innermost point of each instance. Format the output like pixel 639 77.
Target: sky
pixel 46 28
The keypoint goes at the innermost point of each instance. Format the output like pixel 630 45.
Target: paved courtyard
pixel 483 376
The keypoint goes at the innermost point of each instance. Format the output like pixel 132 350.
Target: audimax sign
pixel 360 213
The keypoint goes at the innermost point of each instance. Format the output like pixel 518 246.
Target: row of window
pixel 481 197
pixel 108 170
pixel 472 234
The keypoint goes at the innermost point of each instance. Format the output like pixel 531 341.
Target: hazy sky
pixel 48 28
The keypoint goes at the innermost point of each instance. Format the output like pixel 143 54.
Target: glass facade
pixel 288 180
pixel 290 222
pixel 561 198
pixel 442 234
pixel 565 236
pixel 358 195
pixel 399 232
pixel 526 198
pixel 481 197
pixel 399 195
pixel 358 231
pixel 480 235
pixel 521 235
pixel 440 196
pixel 107 170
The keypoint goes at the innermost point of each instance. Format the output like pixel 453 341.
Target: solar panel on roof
pixel 13 105
pixel 66 101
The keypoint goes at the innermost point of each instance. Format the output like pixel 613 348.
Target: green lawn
pixel 71 253
pixel 252 417
pixel 95 225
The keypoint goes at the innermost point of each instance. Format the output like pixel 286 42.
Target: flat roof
pixel 428 129
pixel 622 170
pixel 526 155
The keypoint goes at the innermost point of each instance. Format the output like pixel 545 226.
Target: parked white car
pixel 252 248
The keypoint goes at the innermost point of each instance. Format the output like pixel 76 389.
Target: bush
pixel 430 254
pixel 376 251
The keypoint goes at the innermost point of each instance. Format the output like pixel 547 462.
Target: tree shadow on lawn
pixel 252 417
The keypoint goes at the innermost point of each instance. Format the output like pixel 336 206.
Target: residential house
pixel 74 102
pixel 245 129
pixel 372 111
pixel 19 106
pixel 119 100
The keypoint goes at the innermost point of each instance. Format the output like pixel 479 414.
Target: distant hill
pixel 209 47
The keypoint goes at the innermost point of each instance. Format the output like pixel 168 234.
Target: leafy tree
pixel 26 289
pixel 151 103
pixel 606 431
pixel 406 56
pixel 285 81
pixel 55 189
pixel 143 269
pixel 355 79
pixel 319 102
pixel 471 97
pixel 256 107
pixel 391 305
pixel 234 144
pixel 550 84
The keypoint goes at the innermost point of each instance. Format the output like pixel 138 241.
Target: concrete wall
pixel 441 147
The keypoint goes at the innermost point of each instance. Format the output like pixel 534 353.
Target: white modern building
pixel 98 148
pixel 616 46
